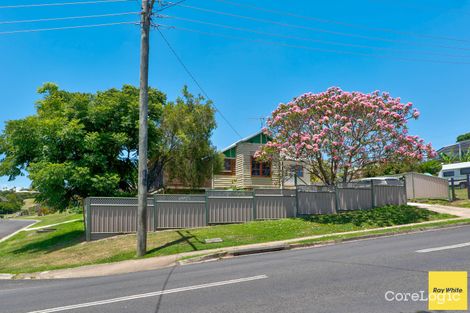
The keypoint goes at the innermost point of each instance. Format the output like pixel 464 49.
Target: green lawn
pixel 52 218
pixel 28 204
pixel 65 247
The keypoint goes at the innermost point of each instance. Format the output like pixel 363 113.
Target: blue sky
pixel 248 78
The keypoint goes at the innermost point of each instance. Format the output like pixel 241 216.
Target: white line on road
pixel 460 245
pixel 151 294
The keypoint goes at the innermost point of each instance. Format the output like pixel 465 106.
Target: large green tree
pixel 185 150
pixel 432 167
pixel 78 144
pixel 85 144
pixel 463 137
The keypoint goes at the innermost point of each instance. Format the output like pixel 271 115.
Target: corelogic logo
pixel 447 291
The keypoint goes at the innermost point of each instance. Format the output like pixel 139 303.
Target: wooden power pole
pixel 145 19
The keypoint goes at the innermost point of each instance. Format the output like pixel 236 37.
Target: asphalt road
pixel 8 226
pixel 349 277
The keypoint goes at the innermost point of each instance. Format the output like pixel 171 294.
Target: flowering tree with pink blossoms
pixel 337 133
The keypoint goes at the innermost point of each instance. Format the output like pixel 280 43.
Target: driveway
pixel 8 226
pixel 447 209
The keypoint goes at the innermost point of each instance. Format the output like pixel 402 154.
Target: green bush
pixel 10 202
pixel 76 210
pixel 384 216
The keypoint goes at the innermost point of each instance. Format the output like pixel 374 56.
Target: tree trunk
pixel 155 179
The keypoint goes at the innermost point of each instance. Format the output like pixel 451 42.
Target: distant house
pixel 242 170
pixel 458 149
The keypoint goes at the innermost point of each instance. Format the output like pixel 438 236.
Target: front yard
pixel 65 247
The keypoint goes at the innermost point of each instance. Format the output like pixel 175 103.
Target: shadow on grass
pixel 183 239
pixel 54 243
pixel 384 216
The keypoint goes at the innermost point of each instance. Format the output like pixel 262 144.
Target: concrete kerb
pixel 298 245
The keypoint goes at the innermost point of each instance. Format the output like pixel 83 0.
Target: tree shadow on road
pixel 183 239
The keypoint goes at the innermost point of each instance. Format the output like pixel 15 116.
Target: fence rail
pixel 106 216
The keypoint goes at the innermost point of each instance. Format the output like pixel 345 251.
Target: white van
pixel 457 171
pixel 381 180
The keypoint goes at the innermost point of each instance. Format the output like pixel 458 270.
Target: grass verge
pixel 52 218
pixel 65 247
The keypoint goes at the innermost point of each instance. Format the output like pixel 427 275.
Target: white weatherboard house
pixel 242 170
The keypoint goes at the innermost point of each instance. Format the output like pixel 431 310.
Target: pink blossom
pixel 366 128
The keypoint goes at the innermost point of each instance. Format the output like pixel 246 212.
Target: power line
pixel 276 43
pixel 195 80
pixel 65 27
pixel 170 5
pixel 17 6
pixel 67 18
pixel 320 30
pixel 329 21
pixel 329 42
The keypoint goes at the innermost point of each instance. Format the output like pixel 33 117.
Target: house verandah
pixel 242 171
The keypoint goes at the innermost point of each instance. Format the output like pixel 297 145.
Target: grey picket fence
pixel 107 216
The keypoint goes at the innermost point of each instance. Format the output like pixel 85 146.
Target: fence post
pixel 296 201
pixel 255 215
pixel 206 204
pixel 88 219
pixel 452 189
pixel 155 213
pixel 468 186
pixel 372 192
pixel 336 208
pixel 406 192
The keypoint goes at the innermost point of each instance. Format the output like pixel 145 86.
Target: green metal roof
pixel 230 153
pixel 259 138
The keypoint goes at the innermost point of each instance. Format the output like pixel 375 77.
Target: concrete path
pixel 8 227
pixel 351 277
pixel 461 212
pixel 52 225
